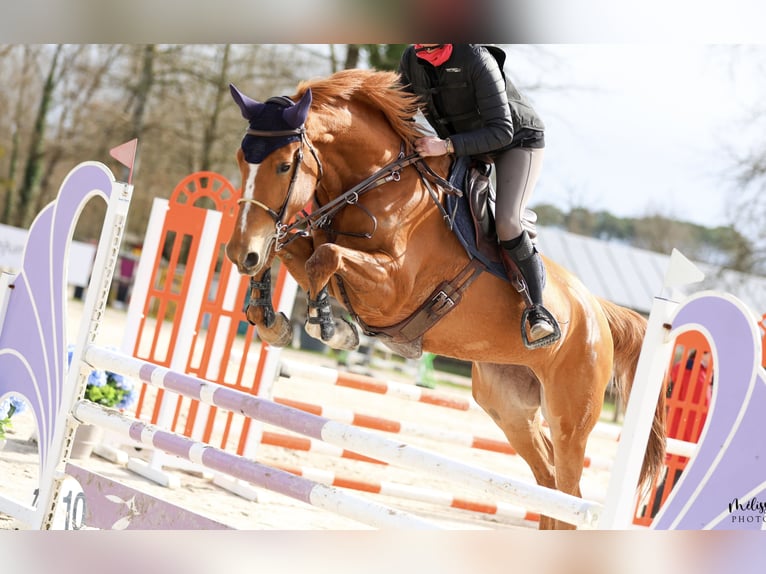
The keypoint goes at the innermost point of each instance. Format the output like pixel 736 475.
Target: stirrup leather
pixel 545 341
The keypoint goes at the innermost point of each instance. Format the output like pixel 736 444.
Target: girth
pixel 406 337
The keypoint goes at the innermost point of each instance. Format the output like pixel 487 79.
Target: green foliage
pixel 550 215
pixel 107 388
pixel 8 407
pixel 384 56
pixel 5 425
pixel 109 395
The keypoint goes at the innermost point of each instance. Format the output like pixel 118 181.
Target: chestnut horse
pixel 376 240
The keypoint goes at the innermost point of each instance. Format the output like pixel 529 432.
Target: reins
pixel 322 216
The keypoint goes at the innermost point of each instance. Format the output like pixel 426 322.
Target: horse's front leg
pixel 367 275
pixel 273 328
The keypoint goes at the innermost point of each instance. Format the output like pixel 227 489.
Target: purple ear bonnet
pixel 274 115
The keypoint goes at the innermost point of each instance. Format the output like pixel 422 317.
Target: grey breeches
pixel 516 173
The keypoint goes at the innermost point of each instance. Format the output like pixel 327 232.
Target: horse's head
pixel 276 181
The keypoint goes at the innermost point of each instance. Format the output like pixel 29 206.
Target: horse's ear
pixel 295 115
pixel 248 106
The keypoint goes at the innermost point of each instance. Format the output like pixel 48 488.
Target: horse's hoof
pixel 279 334
pixel 351 340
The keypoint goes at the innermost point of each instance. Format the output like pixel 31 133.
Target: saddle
pixel 473 220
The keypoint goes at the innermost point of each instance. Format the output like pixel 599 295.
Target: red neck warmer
pixel 435 57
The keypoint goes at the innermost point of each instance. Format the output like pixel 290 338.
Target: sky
pixel 639 129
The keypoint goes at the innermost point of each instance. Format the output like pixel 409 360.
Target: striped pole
pixel 330 376
pixel 553 503
pixel 327 375
pixel 312 445
pixel 422 431
pixel 674 446
pixel 419 494
pixel 299 488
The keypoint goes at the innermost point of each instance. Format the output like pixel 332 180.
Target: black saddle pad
pixel 463 225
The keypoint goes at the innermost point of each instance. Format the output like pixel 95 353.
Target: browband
pixel 275 134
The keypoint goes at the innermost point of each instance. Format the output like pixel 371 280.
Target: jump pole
pixel 543 500
pixel 319 374
pixel 331 376
pixel 416 493
pixel 57 399
pixel 422 431
pixel 299 488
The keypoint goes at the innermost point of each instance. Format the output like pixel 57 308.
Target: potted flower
pixel 107 388
pixel 104 388
pixel 9 406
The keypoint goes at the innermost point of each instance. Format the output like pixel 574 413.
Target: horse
pixel 332 187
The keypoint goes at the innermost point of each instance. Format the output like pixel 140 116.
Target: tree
pixel 747 173
pixel 549 215
pixel 29 187
pixel 221 90
pixel 378 56
pixel 580 220
pixel 16 126
pixel 83 73
pixel 748 206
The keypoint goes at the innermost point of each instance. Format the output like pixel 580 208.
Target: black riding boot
pixel 523 253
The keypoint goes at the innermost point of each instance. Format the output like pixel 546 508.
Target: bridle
pixel 321 216
pixel 282 230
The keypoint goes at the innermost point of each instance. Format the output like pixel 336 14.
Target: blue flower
pixel 5 409
pixel 18 404
pixel 97 378
pixel 108 388
pixel 11 405
pixel 128 398
pixel 119 380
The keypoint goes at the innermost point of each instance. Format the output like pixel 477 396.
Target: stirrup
pixel 544 341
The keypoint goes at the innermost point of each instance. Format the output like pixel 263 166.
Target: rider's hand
pixel 431 146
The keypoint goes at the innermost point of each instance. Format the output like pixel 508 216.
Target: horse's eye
pixel 283 167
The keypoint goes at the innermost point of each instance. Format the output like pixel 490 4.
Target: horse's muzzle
pixel 249 265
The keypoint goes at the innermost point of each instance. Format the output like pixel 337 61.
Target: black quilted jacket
pixel 466 100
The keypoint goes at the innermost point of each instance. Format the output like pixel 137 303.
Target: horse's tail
pixel 628 330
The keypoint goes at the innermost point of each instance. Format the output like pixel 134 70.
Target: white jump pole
pixel 313 493
pixel 546 501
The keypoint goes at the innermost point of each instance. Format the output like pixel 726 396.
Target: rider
pixel 463 90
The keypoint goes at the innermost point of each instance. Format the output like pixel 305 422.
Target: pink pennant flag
pixel 126 155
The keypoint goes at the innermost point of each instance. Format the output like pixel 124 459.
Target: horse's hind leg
pixel 571 416
pixel 511 395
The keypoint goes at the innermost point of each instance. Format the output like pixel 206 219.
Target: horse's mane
pixel 382 90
